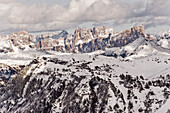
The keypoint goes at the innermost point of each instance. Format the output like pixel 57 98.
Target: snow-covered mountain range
pixel 90 71
pixel 81 41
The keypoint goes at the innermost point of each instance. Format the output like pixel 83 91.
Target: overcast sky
pixel 45 15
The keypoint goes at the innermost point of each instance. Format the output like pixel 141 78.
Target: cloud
pixel 158 8
pixel 156 13
pixel 35 17
pixel 100 11
pixel 157 21
pixel 16 16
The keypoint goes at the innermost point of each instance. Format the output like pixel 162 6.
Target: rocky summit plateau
pixel 97 70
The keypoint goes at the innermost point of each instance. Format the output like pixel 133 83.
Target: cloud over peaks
pixel 36 17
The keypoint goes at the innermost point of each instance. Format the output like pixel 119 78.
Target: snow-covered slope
pixel 138 48
pixel 89 83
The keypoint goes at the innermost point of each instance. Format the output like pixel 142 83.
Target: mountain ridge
pixel 64 42
pixel 86 41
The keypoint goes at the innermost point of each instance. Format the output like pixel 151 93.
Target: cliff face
pixel 115 40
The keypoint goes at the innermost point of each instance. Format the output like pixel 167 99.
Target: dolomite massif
pixel 81 41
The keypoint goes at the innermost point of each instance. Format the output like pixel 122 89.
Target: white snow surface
pixel 149 67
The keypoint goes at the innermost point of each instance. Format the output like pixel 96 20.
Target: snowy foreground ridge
pixel 90 71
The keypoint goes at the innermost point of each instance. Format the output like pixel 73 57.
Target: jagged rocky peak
pixel 81 35
pixel 136 30
pixel 85 35
pixel 92 33
pixel 63 33
pixel 22 39
pixel 139 29
pixel 97 31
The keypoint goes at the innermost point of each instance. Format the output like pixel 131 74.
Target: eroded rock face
pixel 54 85
pixel 20 40
pixel 116 40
